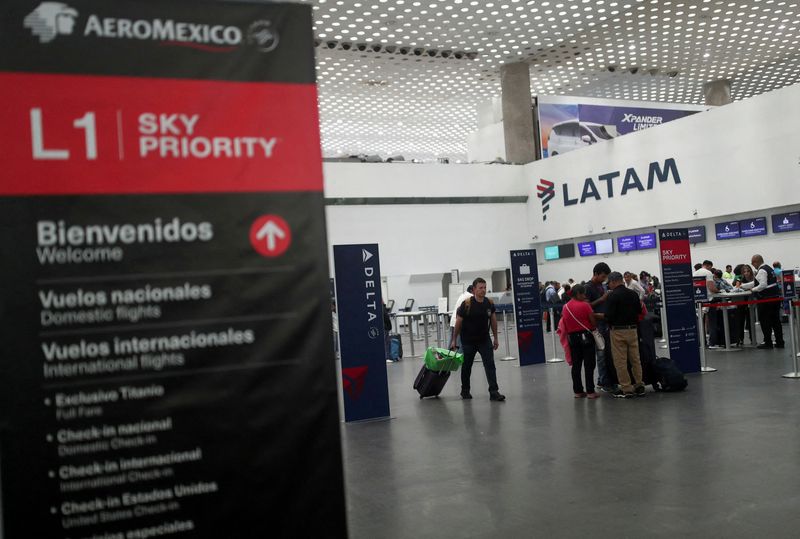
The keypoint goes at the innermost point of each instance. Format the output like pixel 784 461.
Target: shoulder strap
pixel 578 321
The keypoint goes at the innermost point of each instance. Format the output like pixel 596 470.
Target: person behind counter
pixel 766 286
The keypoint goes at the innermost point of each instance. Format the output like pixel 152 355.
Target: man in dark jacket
pixel 623 308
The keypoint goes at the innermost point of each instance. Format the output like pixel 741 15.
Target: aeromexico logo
pixel 51 19
pixel 617 183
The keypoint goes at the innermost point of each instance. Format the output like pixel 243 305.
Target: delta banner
pixel 679 290
pixel 167 367
pixel 564 127
pixel 359 307
pixel 527 306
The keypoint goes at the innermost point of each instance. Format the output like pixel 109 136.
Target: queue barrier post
pixel 663 340
pixel 795 374
pixel 701 333
pixel 508 356
pixel 555 358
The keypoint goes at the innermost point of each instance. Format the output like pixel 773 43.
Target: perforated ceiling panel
pixel 405 77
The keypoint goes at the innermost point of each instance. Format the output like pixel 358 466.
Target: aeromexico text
pixel 61 243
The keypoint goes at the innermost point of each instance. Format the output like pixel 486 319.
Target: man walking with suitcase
pixel 474 317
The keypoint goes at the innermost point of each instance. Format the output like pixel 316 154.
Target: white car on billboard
pixel 572 134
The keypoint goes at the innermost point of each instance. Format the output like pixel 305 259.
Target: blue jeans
pixel 486 350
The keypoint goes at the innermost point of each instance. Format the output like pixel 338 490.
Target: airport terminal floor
pixel 721 459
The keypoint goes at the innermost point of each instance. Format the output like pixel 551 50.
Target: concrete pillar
pixel 717 92
pixel 515 82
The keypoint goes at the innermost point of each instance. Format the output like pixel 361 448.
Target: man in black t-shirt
pixel 623 308
pixel 473 320
pixel 596 295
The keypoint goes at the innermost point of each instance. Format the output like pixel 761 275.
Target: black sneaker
pixel 466 395
pixel 619 394
pixel 496 396
pixel 765 346
pixel 640 391
pixel 781 345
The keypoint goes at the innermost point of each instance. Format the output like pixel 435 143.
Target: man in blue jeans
pixel 474 317
pixel 596 295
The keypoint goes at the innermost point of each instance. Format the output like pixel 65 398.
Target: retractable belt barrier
pixel 795 374
pixel 726 304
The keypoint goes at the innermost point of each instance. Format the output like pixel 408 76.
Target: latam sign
pixel 610 184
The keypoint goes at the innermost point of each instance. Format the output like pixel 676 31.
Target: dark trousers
pixel 486 351
pixel 556 315
pixel 741 321
pixel 769 314
pixel 581 346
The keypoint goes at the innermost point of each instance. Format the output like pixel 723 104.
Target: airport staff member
pixel 623 308
pixel 473 319
pixel 769 314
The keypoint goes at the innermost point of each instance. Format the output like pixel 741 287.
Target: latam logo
pixel 51 19
pixel 547 191
pixel 353 381
pixel 616 183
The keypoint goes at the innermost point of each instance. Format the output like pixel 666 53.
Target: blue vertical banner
pixel 359 306
pixel 527 306
pixel 679 297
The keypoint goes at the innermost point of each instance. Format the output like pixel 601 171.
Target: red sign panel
pixel 71 134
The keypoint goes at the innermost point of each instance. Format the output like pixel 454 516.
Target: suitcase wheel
pixel 421 397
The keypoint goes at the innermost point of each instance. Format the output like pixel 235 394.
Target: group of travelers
pixel 599 321
pixel 599 328
pixel 764 284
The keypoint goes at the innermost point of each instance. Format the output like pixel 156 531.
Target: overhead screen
pixel 567 250
pixel 646 241
pixel 697 234
pixel 727 231
pixel 551 252
pixel 756 226
pixel 556 252
pixel 587 249
pixel 626 243
pixel 604 247
pixel 786 222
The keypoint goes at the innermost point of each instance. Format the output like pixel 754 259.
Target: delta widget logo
pixel 547 191
pixel 353 381
pixel 51 19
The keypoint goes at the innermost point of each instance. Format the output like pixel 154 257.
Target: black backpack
pixel 669 376
pixel 543 295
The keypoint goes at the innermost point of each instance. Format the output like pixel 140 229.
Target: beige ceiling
pixel 385 99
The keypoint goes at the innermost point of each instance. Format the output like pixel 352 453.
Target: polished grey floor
pixel 719 460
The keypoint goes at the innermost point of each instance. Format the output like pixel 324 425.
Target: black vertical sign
pixel 167 365
pixel 679 296
pixel 359 306
pixel 527 306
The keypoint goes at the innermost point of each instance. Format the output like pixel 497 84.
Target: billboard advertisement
pixel 565 126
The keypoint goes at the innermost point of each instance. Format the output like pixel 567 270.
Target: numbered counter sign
pixel 700 288
pixel 789 290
